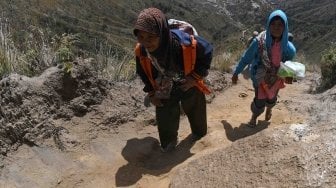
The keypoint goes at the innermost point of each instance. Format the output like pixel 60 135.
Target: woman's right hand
pixel 234 78
pixel 288 80
pixel 155 101
pixel 150 98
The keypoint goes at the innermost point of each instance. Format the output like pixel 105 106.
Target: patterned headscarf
pixel 149 20
pixel 152 20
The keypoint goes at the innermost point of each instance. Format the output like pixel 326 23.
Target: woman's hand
pixel 188 83
pixel 288 80
pixel 150 98
pixel 234 79
pixel 155 101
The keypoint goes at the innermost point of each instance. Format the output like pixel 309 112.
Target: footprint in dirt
pixel 144 157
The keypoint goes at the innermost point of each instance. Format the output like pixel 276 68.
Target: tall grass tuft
pixel 36 58
pixel 223 62
pixel 115 68
pixel 8 52
pixel 40 53
pixel 226 58
pixel 5 67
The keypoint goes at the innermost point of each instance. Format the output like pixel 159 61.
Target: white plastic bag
pixel 292 69
pixel 298 68
pixel 182 25
pixel 285 71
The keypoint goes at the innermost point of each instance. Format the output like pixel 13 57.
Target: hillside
pixel 313 24
pixel 63 123
pixel 36 34
pixel 113 20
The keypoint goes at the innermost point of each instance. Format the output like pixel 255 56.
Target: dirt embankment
pixel 107 138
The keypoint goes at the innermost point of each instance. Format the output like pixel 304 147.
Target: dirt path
pixel 227 116
pixel 129 155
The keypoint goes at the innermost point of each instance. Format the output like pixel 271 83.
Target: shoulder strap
pixel 188 43
pixel 263 53
pixel 146 65
pixel 189 56
pixel 261 41
pixel 137 50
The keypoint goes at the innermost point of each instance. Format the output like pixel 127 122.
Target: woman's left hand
pixel 188 83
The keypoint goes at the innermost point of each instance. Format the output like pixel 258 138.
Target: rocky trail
pixel 118 147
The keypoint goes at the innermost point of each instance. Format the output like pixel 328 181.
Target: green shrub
pixel 64 46
pixel 64 55
pixel 30 65
pixel 328 69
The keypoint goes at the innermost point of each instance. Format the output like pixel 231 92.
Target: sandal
pixel 268 114
pixel 252 123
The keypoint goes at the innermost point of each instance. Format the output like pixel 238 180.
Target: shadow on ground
pixel 243 130
pixel 144 157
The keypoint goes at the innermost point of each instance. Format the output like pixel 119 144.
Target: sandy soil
pixel 128 155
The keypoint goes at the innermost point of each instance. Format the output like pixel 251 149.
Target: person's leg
pixel 194 105
pixel 257 108
pixel 168 119
pixel 270 103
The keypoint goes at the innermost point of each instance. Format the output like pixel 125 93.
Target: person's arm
pixel 246 59
pixel 291 51
pixel 150 97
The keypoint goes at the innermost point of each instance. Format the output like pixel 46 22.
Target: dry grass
pixel 108 23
